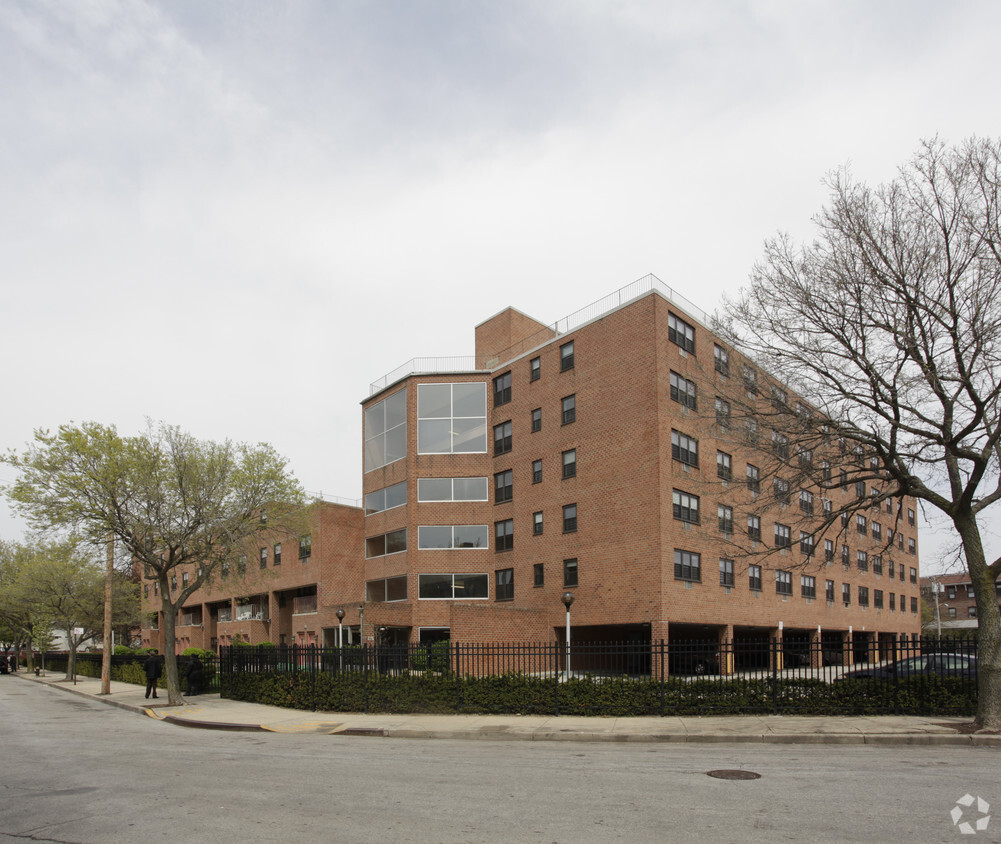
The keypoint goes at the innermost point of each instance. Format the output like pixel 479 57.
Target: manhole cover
pixel 734 775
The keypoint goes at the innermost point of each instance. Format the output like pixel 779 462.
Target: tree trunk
pixel 989 623
pixel 71 660
pixel 109 571
pixel 169 657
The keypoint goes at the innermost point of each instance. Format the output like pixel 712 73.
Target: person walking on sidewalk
pixel 194 675
pixel 154 668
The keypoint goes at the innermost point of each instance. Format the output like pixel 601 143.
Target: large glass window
pixel 452 418
pixel 386 589
pixel 386 498
pixel 452 586
pixel 386 431
pixel 387 543
pixel 452 536
pixel 451 489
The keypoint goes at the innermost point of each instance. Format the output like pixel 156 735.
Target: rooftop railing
pixel 597 309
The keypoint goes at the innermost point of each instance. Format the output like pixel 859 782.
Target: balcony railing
pixel 303 604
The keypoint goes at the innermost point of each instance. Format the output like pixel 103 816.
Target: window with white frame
pixel 386 431
pixel 451 489
pixel 447 537
pixel 431 587
pixel 386 498
pixel 452 418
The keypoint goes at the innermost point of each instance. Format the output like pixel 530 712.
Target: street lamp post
pixel 340 637
pixel 567 598
pixel 361 624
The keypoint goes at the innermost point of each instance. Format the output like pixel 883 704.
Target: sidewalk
pixel 212 712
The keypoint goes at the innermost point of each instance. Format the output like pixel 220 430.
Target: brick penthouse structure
pixel 625 455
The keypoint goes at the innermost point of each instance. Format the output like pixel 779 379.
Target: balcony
pixel 303 604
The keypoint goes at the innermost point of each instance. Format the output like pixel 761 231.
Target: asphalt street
pixel 76 770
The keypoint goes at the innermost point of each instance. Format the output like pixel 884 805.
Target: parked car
pixel 944 665
pixel 693 658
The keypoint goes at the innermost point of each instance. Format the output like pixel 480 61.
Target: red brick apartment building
pixel 624 455
pixel 957 605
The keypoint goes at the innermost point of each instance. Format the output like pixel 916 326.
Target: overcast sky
pixel 234 216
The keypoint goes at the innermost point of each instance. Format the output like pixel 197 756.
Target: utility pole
pixel 109 570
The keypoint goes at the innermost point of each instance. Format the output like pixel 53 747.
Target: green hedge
pixel 434 692
pixel 133 671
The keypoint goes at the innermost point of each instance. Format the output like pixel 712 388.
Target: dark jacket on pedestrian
pixel 153 667
pixel 194 670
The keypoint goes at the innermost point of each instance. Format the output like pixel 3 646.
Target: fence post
pixel 662 696
pixel 364 659
pixel 775 675
pixel 458 684
pixel 556 675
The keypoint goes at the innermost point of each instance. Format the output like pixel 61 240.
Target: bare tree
pixel 889 325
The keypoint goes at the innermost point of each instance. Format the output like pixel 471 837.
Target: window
pixel 877 565
pixel 537 523
pixel 844 557
pixel 725 572
pixel 863 596
pixel 807 586
pixel 753 478
pixel 877 598
pixel 844 520
pixel 386 498
pixel 184 580
pixel 846 594
pixel 683 391
pixel 724 465
pixel 862 560
pixel 751 429
pixel 893 602
pixel 452 489
pixel 914 575
pixel 952 612
pixel 536 420
pixel 825 470
pixel 950 591
pixel 278 554
pixel 891 566
pixel 502 438
pixel 889 506
pixel 447 537
pixel 385 544
pixel 386 431
pixel 687 565
pixel 806 543
pixel 686 507
pixel 432 587
pixel 452 418
pixel 722 413
pixel 681 333
pixel 750 380
pixel 783 582
pixel 504 535
pixel 754 528
pixel 502 389
pixel 912 547
pixel 684 449
pixel 754 577
pixel 538 575
pixel 779 398
pixel 861 526
pixel 503 486
pixel 900 540
pixel 534 369
pixel 173 583
pixel 536 471
pixel 971 612
pixel 566 356
pixel 721 360
pixel 914 605
pixel 806 501
pixel 804 456
pixel 264 558
pixel 569 518
pixel 781 490
pixel 504 585
pixel 828 551
pixel 725 516
pixel 570 463
pixel 783 536
pixel 826 507
pixel 569 409
pixel 910 516
pixel 829 591
pixel 843 477
pixel 570 572
pixel 860 489
pixel 780 445
pixel 305 547
pixel 386 589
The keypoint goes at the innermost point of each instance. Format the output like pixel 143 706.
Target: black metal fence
pixel 639 678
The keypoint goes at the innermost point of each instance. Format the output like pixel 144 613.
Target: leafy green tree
pixel 169 500
pixel 889 324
